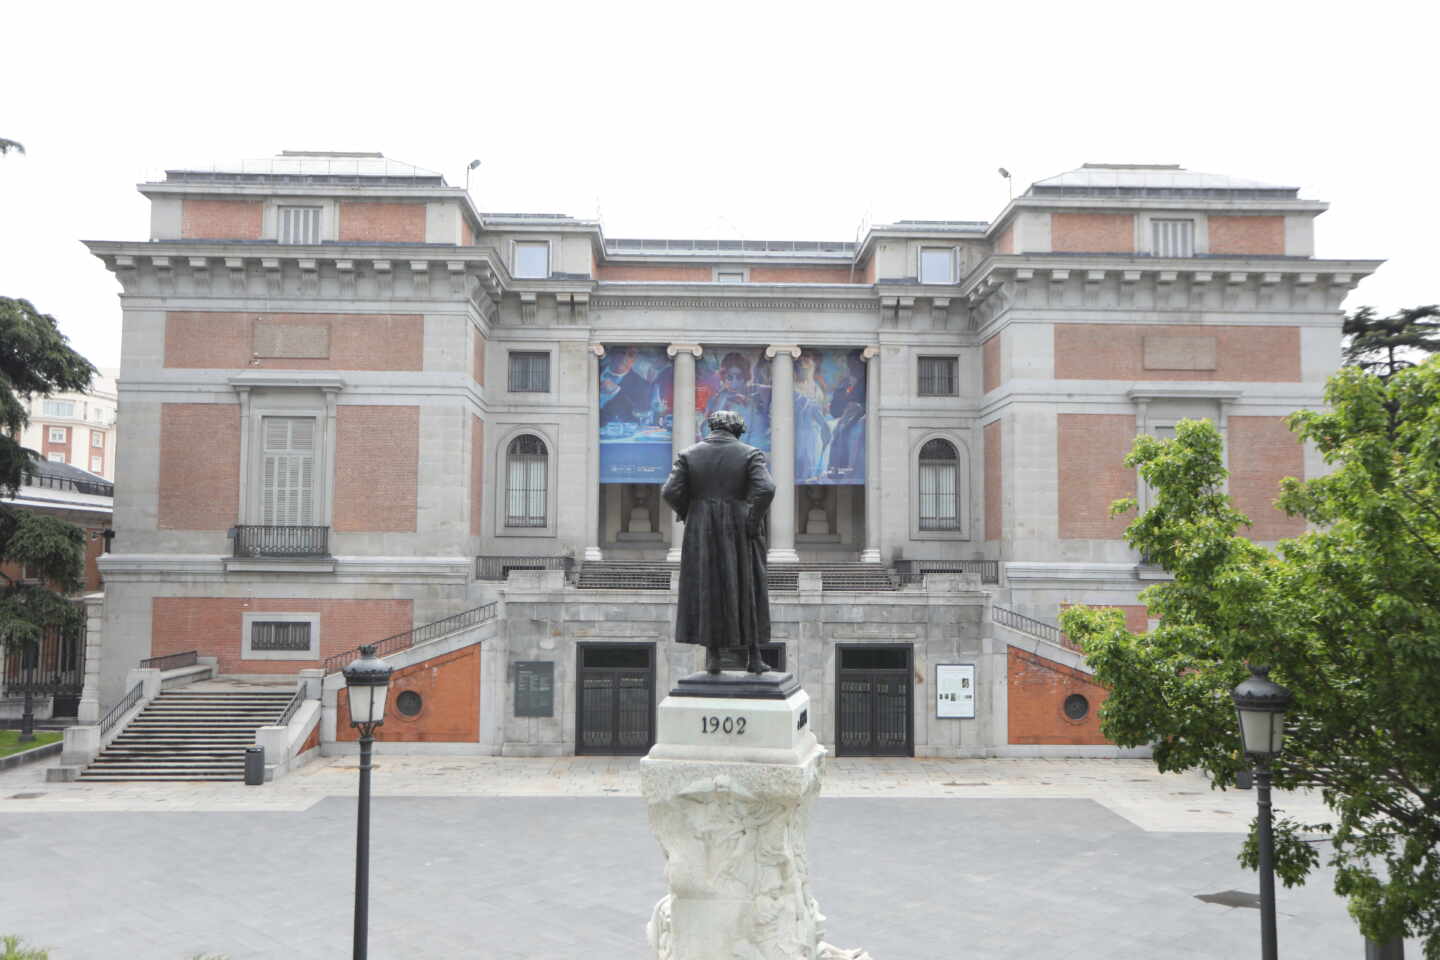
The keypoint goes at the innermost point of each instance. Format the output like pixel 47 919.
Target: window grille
pixel 299 225
pixel 529 372
pixel 525 469
pixel 288 477
pixel 58 408
pixel 532 260
pixel 938 376
pixel 937 265
pixel 939 486
pixel 287 635
pixel 1174 238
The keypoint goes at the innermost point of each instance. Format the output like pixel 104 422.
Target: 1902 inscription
pixel 728 725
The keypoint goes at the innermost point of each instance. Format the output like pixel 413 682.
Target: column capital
pixel 598 349
pixel 869 353
pixel 778 348
pixel 694 349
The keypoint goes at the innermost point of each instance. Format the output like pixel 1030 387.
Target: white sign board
pixel 955 691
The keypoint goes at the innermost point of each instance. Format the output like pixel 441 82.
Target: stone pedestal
pixel 729 784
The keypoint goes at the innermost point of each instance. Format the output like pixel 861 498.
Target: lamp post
pixel 367 683
pixel 1260 704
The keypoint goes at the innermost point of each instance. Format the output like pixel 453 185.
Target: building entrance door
pixel 615 698
pixel 874 700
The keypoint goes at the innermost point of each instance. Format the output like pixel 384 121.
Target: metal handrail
pixel 171 661
pixel 290 708
pixel 121 708
pixel 97 488
pixel 410 638
pixel 1018 621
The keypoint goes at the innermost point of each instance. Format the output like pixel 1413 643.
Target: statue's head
pixel 727 420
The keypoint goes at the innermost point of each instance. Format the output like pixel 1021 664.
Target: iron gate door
pixel 615 699
pixel 874 701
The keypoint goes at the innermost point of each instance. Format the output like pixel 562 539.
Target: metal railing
pixel 121 708
pixel 258 540
pixel 914 571
pixel 498 568
pixel 98 488
pixel 301 693
pixel 1035 628
pixel 55 666
pixel 410 638
pixel 171 661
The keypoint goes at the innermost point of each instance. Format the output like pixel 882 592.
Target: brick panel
pixel 1091 448
pixel 212 626
pixel 1037 689
pixel 657 272
pixel 377 462
pixel 202 219
pixel 226 341
pixel 1263 235
pixel 1262 451
pixel 803 275
pixel 477 361
pixel 362 222
pixel 1092 233
pixel 477 472
pixel 990 357
pixel 1005 243
pixel 199 466
pixel 870 271
pixel 449 689
pixel 467 236
pixel 1116 351
pixel 48 446
pixel 994 477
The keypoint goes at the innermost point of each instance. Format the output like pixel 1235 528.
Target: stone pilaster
pixel 871 553
pixel 782 451
pixel 682 431
pixel 89 709
pixel 592 459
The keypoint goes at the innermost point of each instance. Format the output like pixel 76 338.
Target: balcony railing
pixel 914 571
pixel 255 540
pixel 498 568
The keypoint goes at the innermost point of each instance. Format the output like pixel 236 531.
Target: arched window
pixel 939 486
pixel 526 462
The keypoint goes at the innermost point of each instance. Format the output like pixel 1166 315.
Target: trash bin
pixel 254 766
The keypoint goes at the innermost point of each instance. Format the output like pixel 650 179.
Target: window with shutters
pixel 938 377
pixel 939 478
pixel 1173 238
pixel 529 372
pixel 526 466
pixel 298 224
pixel 287 478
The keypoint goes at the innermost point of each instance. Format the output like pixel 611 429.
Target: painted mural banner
pixel 637 401
pixel 738 379
pixel 830 416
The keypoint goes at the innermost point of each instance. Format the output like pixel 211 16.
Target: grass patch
pixel 10 743
pixel 15 948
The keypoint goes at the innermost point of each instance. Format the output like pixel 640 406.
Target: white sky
pixel 775 120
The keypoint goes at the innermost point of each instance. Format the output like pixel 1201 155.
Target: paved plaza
pixel 552 858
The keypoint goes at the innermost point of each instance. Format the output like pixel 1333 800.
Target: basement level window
pixel 267 635
pixel 280 636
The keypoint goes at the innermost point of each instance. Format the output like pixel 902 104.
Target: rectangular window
pixel 58 435
pixel 97 464
pixel 529 372
pixel 299 225
pixel 97 439
pixel 532 260
pixel 271 635
pixel 55 457
pixel 729 276
pixel 288 471
pixel 939 503
pixel 58 408
pixel 939 377
pixel 937 265
pixel 1173 238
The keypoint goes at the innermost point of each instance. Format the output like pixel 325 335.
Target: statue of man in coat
pixel 721 489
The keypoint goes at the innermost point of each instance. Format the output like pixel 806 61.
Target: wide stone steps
pixel 781 577
pixel 188 736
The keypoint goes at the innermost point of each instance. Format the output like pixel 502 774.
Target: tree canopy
pixel 1387 345
pixel 1346 616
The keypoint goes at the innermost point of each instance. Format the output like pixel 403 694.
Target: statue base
pixel 737 685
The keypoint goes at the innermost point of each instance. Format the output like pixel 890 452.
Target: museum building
pixel 357 409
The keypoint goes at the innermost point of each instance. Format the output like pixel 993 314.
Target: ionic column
pixel 782 451
pixel 592 446
pixel 871 553
pixel 682 429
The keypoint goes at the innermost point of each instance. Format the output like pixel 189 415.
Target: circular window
pixel 1076 706
pixel 409 703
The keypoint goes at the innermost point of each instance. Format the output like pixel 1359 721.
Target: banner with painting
pixel 637 401
pixel 829 417
pixel 738 379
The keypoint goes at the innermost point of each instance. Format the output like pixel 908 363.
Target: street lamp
pixel 367 684
pixel 1260 704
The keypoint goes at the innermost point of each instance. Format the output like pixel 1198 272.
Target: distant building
pixel 76 428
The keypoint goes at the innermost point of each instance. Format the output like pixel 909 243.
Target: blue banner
pixel 830 416
pixel 738 379
pixel 637 399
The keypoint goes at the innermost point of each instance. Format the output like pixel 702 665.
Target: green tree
pixel 7 145
pixel 1347 616
pixel 1386 345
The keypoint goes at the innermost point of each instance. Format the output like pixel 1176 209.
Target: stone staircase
pixel 783 577
pixel 190 735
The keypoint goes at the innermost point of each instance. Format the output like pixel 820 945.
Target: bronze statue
pixel 722 490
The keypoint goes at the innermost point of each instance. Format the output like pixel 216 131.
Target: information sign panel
pixel 955 691
pixel 534 688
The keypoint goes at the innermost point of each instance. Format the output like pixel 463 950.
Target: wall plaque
pixel 534 688
pixel 955 691
pixel 292 340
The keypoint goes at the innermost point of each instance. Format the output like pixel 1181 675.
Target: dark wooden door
pixel 874 701
pixel 615 698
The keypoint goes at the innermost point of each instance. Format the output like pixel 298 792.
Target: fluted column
pixel 592 461
pixel 782 451
pixel 682 429
pixel 871 553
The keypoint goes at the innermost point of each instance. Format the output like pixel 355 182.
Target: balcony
pixel 256 541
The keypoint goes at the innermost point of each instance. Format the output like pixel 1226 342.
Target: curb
pixel 32 755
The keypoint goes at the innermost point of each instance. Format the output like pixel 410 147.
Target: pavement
pixel 485 857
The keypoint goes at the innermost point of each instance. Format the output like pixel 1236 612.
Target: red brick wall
pixel 1247 235
pixel 1090 448
pixel 212 626
pixel 1036 694
pixel 1262 451
pixel 1005 243
pixel 659 272
pixel 477 471
pixel 467 236
pixel 1092 233
pixel 802 275
pixel 199 466
pixel 94 547
pixel 370 222
pixel 357 341
pixel 990 357
pixel 377 463
pixel 48 447
pixel 994 477
pixel 449 689
pixel 1114 351
pixel 477 362
pixel 204 219
pixel 870 268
